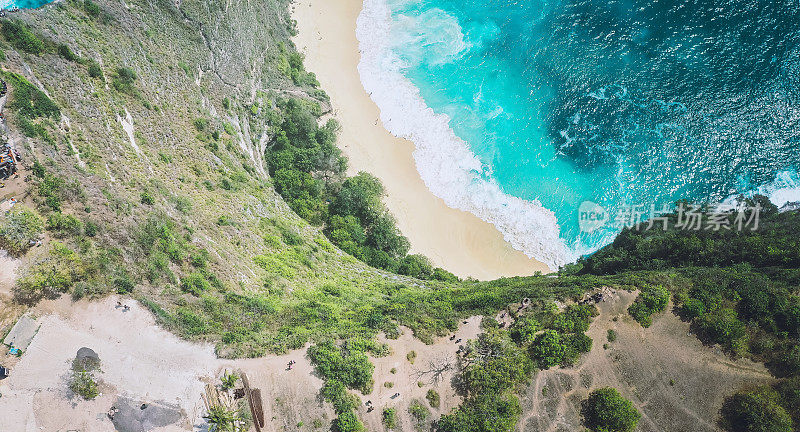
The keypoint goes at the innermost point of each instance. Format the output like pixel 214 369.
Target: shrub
pixel 349 366
pixel 419 412
pixel 389 418
pixel 91 8
pixel 607 411
pixel 63 225
pixel 649 301
pixel 195 284
pixel 755 411
pixel 123 80
pixel 65 51
pixel 547 349
pixel 229 380
pixel 411 356
pixel 21 37
pixel 335 392
pixel 433 398
pixel 83 385
pixel 524 330
pixel 485 413
pixel 147 198
pixel 19 229
pixel 95 71
pixel 347 422
pixel 612 335
pixel 30 102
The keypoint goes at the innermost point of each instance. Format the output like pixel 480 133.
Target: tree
pixel 607 411
pixel 547 349
pixel 221 419
pixel 523 330
pixel 360 196
pixel 19 229
pixel 487 413
pixel 417 266
pixel 347 422
pixel 755 411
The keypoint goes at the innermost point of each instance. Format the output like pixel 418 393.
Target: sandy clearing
pixel 676 383
pixel 138 359
pixel 453 239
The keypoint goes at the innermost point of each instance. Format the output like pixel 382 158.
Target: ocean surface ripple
pixel 520 111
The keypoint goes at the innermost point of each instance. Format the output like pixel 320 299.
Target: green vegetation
pixel 20 229
pixel 308 172
pixel 342 367
pixel 607 411
pixel 65 51
pixel 433 398
pixel 95 71
pixel 649 301
pixel 229 380
pixel 83 385
pixel 611 336
pixel 21 37
pixel 223 419
pixel 123 80
pixel 760 410
pixel 738 289
pixel 82 382
pixel 389 418
pixel 91 8
pixel 420 414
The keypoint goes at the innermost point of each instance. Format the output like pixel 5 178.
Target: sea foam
pixel 445 162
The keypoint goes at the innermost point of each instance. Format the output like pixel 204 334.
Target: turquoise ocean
pixel 522 110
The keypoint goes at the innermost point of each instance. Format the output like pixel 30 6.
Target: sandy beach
pixel 453 239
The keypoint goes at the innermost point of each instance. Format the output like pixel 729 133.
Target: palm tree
pixel 221 419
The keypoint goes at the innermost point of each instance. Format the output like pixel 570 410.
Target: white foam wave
pixel 784 190
pixel 446 164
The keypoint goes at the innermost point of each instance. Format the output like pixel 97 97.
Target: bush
pixel 433 398
pixel 524 330
pixel 612 335
pixel 347 422
pixel 91 8
pixel 755 411
pixel 30 102
pixel 147 198
pixel 547 349
pixel 195 284
pixel 335 392
pixel 419 412
pixel 649 301
pixel 123 80
pixel 488 413
pixel 21 37
pixel 389 418
pixel 607 411
pixel 83 385
pixel 62 225
pixel 19 229
pixel 65 51
pixel 95 71
pixel 349 366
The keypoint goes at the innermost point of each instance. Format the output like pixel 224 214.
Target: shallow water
pixel 616 102
pixel 23 4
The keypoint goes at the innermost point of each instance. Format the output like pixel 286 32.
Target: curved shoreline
pixel 453 239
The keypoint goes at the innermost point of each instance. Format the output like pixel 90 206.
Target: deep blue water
pixel 616 102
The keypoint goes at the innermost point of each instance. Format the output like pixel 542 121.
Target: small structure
pixel 3 372
pixel 22 333
pixel 255 402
